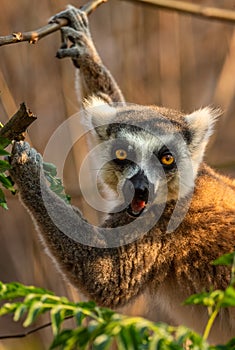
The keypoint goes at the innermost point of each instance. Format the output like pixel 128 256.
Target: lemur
pixel 155 156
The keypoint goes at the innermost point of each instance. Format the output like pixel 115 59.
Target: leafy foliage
pixel 56 185
pixel 226 259
pixel 100 327
pixel 5 180
pixel 94 325
pixel 7 183
pixel 217 299
pixel 214 299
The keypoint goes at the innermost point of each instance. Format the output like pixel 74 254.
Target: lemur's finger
pixel 68 52
pixel 20 152
pixel 78 40
pixel 77 19
pixel 71 34
pixel 71 14
pixel 20 147
pixel 82 19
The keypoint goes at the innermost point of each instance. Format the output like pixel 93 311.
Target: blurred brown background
pixel 157 57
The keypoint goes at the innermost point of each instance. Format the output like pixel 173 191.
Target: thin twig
pixel 33 36
pixel 34 330
pixel 15 128
pixel 211 13
pixel 22 335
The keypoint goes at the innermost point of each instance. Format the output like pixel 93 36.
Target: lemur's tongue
pixel 139 200
pixel 137 205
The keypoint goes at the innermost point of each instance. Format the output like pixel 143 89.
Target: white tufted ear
pixel 98 115
pixel 201 125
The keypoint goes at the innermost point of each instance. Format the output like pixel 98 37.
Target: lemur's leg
pixel 96 79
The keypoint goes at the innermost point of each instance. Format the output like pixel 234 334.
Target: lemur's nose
pixel 141 185
pixel 137 191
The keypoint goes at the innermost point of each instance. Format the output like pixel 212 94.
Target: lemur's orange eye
pixel 167 159
pixel 121 154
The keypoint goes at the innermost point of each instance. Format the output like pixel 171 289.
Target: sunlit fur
pixel 186 135
pixel 161 267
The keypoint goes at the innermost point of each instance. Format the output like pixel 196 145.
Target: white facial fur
pixel 200 123
pixel 147 144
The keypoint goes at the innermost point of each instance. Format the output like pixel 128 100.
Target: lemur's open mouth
pixel 137 191
pixel 138 202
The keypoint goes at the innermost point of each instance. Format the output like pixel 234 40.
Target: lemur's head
pixel 150 154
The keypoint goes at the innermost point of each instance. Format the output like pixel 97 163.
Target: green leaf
pixel 229 297
pixel 4 165
pixel 200 299
pixel 16 290
pixel 3 203
pixel 230 344
pixel 81 338
pixel 102 342
pixel 35 310
pixel 61 338
pixel 4 153
pixel 206 299
pixel 4 142
pixel 56 185
pixel 217 297
pixel 50 168
pixel 226 259
pixel 4 206
pixel 20 311
pixel 124 340
pixel 7 182
pixel 79 317
pixel 8 308
pixel 57 317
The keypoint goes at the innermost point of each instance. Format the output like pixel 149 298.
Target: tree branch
pixel 33 36
pixel 34 330
pixel 15 128
pixel 211 13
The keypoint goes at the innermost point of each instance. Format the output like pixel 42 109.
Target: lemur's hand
pixel 26 165
pixel 77 44
pixel 77 32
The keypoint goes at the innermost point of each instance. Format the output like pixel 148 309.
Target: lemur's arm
pixel 95 78
pixel 110 276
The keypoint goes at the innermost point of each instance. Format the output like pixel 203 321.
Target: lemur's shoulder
pixel 213 188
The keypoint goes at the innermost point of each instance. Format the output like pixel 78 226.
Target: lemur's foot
pixel 77 32
pixel 26 163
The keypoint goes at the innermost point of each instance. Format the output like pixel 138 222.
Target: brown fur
pixel 164 267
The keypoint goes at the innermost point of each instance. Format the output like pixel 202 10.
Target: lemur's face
pixel 150 155
pixel 144 167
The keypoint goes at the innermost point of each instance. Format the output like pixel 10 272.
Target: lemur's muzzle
pixel 137 193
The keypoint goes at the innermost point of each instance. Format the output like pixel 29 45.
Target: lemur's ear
pixel 201 126
pixel 98 115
